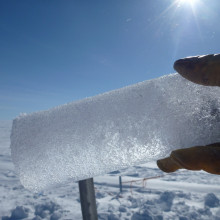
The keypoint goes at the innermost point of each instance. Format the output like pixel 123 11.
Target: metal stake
pixel 120 184
pixel 87 198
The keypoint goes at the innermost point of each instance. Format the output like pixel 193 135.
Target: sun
pixel 191 2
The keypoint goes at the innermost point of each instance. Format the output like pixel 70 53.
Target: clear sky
pixel 54 52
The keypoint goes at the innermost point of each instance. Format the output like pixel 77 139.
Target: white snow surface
pixel 114 130
pixel 185 195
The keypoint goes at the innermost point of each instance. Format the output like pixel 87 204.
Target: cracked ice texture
pixel 114 130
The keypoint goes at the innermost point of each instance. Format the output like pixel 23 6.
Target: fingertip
pixel 167 165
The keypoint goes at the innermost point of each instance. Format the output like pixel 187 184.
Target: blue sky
pixel 54 52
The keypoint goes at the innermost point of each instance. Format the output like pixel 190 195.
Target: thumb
pixel 205 158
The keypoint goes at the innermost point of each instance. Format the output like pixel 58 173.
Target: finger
pixel 168 165
pixel 212 155
pixel 205 158
pixel 203 70
pixel 180 159
pixel 189 158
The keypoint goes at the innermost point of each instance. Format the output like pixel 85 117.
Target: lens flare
pixel 191 2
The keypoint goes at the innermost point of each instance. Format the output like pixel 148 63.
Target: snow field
pixel 181 196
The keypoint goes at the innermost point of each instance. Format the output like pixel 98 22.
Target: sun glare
pixel 191 2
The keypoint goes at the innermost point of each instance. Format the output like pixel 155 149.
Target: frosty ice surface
pixel 114 130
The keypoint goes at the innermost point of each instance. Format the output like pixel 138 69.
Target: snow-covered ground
pixel 184 195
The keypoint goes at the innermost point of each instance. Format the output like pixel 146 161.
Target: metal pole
pixel 120 184
pixel 87 198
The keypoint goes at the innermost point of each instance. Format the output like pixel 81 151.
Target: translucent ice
pixel 114 130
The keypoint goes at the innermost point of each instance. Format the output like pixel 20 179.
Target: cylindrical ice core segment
pixel 114 130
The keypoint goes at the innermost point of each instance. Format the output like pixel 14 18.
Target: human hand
pixel 205 158
pixel 203 70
